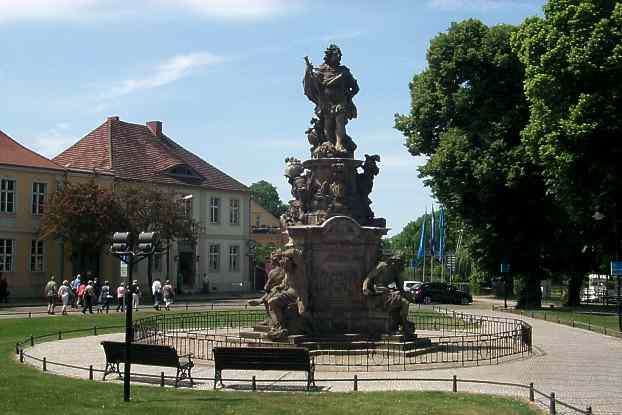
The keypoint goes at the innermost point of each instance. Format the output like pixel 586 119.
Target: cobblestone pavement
pixel 581 367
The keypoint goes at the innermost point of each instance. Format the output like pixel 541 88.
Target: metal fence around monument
pixel 453 339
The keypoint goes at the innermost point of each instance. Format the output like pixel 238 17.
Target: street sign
pixel 123 270
pixel 413 263
pixel 505 268
pixel 616 268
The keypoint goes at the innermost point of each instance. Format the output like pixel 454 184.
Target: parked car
pixel 410 286
pixel 440 292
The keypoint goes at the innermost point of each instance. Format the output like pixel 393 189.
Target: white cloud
pixel 14 10
pixel 80 10
pixel 232 9
pixel 169 71
pixel 475 4
pixel 53 141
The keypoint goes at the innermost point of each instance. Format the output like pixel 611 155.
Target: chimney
pixel 115 118
pixel 155 127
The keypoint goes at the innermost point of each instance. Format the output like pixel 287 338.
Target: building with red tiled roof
pixel 26 181
pixel 136 153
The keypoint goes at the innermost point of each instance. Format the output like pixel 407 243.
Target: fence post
pixel 552 404
pixel 162 379
pixel 45 368
pixel 531 396
pixel 356 383
pixel 91 372
pixel 588 410
pixel 32 340
pixel 29 314
pixel 186 306
pixel 455 384
pixel 60 335
pixel 94 330
pixel 254 383
pixel 21 356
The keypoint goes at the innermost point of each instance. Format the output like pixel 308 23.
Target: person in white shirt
pixel 156 290
pixel 65 296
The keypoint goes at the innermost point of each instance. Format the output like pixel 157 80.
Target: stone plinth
pixel 337 256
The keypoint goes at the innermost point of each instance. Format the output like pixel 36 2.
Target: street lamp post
pixel 122 248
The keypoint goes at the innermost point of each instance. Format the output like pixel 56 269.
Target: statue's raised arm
pixel 310 83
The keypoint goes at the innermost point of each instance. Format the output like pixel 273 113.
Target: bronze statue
pixel 380 297
pixel 331 88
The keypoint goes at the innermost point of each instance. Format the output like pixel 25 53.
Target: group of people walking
pixel 89 293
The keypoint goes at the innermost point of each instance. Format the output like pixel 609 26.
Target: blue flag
pixel 432 239
pixel 441 234
pixel 421 251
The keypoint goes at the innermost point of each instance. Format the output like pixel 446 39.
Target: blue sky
pixel 224 76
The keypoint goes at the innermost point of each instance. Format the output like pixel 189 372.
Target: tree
pixel 265 194
pixel 467 112
pixel 85 215
pixel 149 208
pixel 573 66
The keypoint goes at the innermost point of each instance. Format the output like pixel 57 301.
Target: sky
pixel 225 76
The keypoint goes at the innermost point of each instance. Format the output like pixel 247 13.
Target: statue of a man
pixel 275 277
pixel 331 88
pixel 380 297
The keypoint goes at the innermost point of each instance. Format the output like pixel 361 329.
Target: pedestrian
pixel 65 297
pixel 51 290
pixel 97 289
pixel 169 294
pixel 105 298
pixel 156 290
pixel 121 297
pixel 75 285
pixel 81 289
pixel 4 289
pixel 135 294
pixel 87 298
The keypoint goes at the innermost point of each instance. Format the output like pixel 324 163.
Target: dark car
pixel 440 292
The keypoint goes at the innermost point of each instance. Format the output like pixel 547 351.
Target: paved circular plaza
pixel 581 367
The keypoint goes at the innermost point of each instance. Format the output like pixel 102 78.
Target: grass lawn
pixel 25 390
pixel 578 317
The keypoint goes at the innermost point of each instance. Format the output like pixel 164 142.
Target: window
pixel 36 256
pixel 214 210
pixel 38 197
pixel 214 258
pixel 234 211
pixel 7 255
pixel 234 258
pixel 7 196
pixel 185 206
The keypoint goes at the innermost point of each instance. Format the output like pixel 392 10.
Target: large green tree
pixel 266 195
pixel 467 112
pixel 573 67
pixel 84 215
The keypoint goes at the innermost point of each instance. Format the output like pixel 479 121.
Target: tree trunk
pixel 530 295
pixel 574 290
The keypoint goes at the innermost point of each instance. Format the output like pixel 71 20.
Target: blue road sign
pixel 616 268
pixel 505 268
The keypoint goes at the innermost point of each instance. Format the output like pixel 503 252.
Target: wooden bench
pixel 263 358
pixel 147 354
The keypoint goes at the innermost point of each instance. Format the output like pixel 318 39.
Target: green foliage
pixel 573 62
pixel 265 194
pixel 84 214
pixel 150 208
pixel 263 252
pixel 468 109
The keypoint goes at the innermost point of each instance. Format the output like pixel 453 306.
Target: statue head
pixel 332 55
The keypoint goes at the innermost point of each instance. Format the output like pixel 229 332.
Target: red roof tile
pixel 133 152
pixel 15 154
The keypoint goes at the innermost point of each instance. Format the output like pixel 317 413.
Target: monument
pixel 335 281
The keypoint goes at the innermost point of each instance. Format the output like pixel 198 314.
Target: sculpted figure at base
pixel 331 88
pixel 392 300
pixel 286 304
pixel 275 278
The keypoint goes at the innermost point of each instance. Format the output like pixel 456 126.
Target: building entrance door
pixel 186 268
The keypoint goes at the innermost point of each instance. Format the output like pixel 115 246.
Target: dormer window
pixel 182 170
